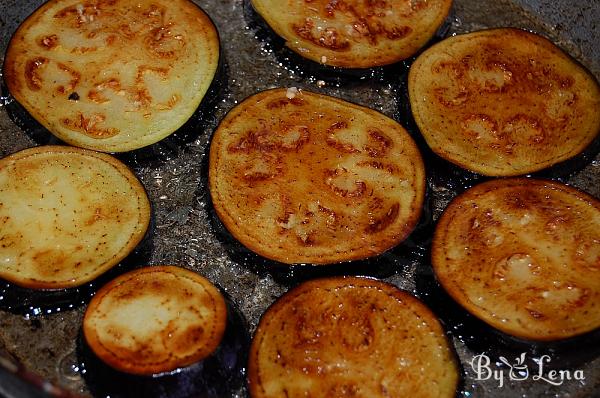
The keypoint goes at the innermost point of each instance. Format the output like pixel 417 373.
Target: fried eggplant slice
pixel 112 75
pixel 523 255
pixel 67 215
pixel 299 177
pixel 350 336
pixel 155 320
pixel 503 102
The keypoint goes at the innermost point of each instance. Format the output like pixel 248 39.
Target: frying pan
pixel 38 343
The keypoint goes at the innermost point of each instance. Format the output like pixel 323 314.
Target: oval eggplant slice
pixel 112 75
pixel 67 215
pixel 503 102
pixel 350 336
pixel 299 177
pixel 354 33
pixel 154 320
pixel 523 255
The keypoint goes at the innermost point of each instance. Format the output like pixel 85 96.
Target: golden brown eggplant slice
pixel 350 336
pixel 354 33
pixel 299 177
pixel 155 320
pixel 523 255
pixel 67 215
pixel 503 102
pixel 112 75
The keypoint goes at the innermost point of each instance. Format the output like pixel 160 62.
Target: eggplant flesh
pixel 350 336
pixel 161 329
pixel 69 66
pixel 504 102
pixel 522 255
pixel 321 181
pixel 61 225
pixel 220 375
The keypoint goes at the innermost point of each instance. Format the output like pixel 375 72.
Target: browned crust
pixel 350 342
pixel 267 246
pixel 94 125
pixel 354 34
pixel 551 140
pixel 526 196
pixel 144 209
pixel 118 360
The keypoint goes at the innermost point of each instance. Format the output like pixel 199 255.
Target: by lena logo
pixel 519 370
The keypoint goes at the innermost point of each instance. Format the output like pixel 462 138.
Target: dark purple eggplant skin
pixel 220 375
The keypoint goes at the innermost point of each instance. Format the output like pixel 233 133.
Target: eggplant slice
pixel 68 215
pixel 112 75
pixel 154 320
pixel 503 102
pixel 350 336
pixel 412 249
pixel 354 33
pixel 195 313
pixel 523 255
pixel 299 177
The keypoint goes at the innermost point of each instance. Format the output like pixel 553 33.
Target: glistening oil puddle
pixel 6 100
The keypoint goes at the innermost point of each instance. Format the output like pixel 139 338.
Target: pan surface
pixel 44 338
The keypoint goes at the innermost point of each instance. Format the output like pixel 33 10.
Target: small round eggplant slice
pixel 350 336
pixel 523 255
pixel 154 320
pixel 354 33
pixel 503 102
pixel 112 75
pixel 299 177
pixel 67 215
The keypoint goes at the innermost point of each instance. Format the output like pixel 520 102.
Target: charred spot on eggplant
pixel 300 178
pixel 68 215
pixel 523 256
pixel 353 34
pixel 126 100
pixel 350 336
pixel 503 102
pixel 219 373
